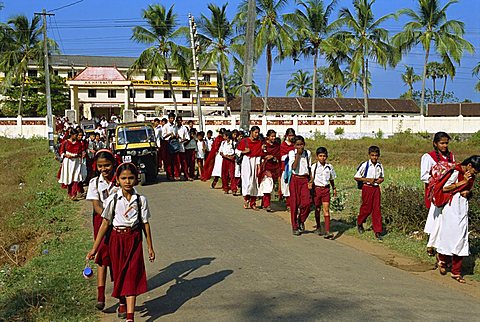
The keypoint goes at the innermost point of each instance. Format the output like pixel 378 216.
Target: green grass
pixel 47 283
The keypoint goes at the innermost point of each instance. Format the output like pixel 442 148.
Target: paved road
pixel 218 262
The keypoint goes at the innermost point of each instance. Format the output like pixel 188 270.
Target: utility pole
pixel 196 67
pixel 44 15
pixel 246 106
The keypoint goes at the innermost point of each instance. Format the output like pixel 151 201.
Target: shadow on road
pixel 179 293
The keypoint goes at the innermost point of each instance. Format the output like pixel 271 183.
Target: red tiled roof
pixel 100 74
pixel 454 109
pixel 303 105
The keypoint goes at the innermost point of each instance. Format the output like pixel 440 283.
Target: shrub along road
pixel 219 262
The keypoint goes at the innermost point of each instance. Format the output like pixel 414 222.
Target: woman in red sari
pixel 212 161
pixel 270 168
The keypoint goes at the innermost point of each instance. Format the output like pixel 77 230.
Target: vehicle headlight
pixel 133 152
pixel 145 152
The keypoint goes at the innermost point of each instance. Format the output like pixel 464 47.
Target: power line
pixel 66 6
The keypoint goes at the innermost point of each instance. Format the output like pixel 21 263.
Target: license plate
pixel 127 158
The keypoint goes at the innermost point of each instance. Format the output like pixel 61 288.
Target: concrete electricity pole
pixel 196 67
pixel 246 106
pixel 44 15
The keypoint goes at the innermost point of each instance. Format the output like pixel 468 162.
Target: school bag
pixel 173 146
pixel 239 158
pixel 106 239
pixel 288 172
pixel 364 175
pixel 440 174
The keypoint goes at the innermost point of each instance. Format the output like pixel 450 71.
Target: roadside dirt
pixel 392 258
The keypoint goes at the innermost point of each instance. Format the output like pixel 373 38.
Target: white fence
pixel 26 127
pixel 351 126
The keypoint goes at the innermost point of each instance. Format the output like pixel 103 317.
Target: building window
pixel 92 93
pixel 167 76
pixel 149 93
pixel 206 77
pixel 32 73
pixel 55 72
pixel 112 93
pixel 205 93
pixel 167 94
pixel 133 93
pixel 186 94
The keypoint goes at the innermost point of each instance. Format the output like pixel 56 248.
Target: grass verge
pixel 42 281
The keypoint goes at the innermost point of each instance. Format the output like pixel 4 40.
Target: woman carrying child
pixel 451 230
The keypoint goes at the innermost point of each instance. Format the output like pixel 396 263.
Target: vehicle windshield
pixel 137 134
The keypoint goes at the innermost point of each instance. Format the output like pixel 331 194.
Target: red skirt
pixel 102 258
pixel 126 254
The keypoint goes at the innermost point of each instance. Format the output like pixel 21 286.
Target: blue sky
pixel 93 27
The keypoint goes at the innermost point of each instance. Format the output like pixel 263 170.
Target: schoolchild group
pixel 253 164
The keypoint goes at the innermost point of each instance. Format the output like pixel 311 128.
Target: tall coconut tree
pixel 430 27
pixel 20 46
pixel 435 70
pixel 368 41
pixel 215 35
pixel 300 84
pixel 312 30
pixel 352 79
pixel 162 33
pixel 409 78
pixel 271 34
pixel 234 81
pixel 476 72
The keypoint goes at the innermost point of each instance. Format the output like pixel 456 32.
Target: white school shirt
pixel 124 218
pixel 200 151
pixel 158 134
pixel 426 165
pixel 322 174
pixel 227 148
pixel 303 165
pixel 183 135
pixel 104 190
pixel 375 171
pixel 209 143
pixel 167 129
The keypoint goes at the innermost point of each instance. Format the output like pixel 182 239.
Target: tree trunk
pixel 355 90
pixel 171 86
pixel 224 89
pixel 20 102
pixel 444 88
pixel 365 91
pixel 434 89
pixel 314 94
pixel 269 69
pixel 424 77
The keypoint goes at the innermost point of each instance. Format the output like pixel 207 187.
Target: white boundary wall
pixel 23 127
pixel 353 126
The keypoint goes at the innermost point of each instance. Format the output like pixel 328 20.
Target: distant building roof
pixel 92 61
pixel 454 109
pixel 303 105
pixel 100 74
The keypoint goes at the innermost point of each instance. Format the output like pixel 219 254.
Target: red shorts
pixel 322 194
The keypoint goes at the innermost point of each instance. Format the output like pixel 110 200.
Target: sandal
pixel 431 251
pixel 254 208
pixel 459 278
pixel 442 268
pixel 245 205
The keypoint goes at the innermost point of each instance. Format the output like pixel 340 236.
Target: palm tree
pixel 435 70
pixel 271 34
pixel 234 82
pixel 476 72
pixel 368 41
pixel 214 38
pixel 300 84
pixel 21 45
pixel 429 26
pixel 353 79
pixel 312 29
pixel 332 76
pixel 162 35
pixel 410 78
